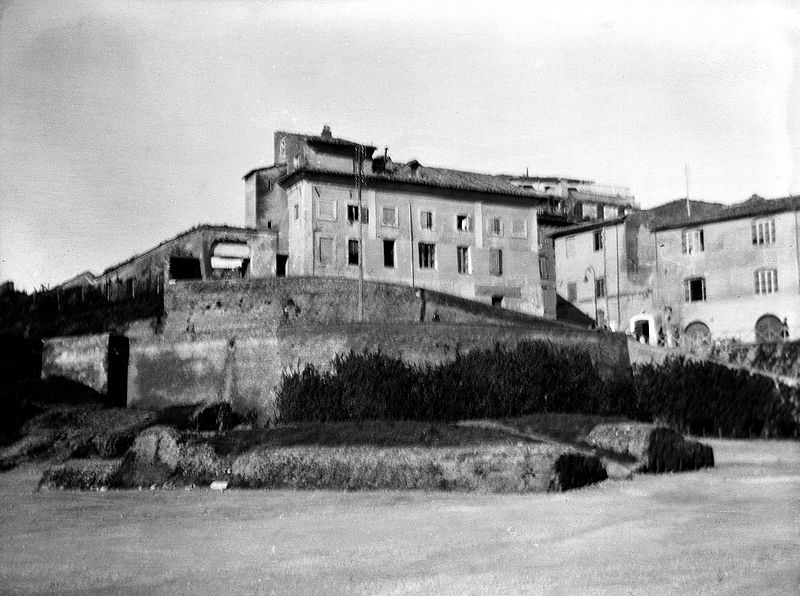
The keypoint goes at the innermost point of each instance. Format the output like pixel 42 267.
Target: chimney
pixel 326 132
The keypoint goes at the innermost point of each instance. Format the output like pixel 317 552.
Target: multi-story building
pixel 569 201
pixel 469 234
pixel 474 235
pixel 440 200
pixel 734 273
pixel 695 269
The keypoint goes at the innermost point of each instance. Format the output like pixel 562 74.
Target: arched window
pixel 282 150
pixel 768 329
pixel 696 334
pixel 230 259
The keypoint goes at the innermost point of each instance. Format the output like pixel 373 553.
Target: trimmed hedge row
pixel 540 377
pixel 531 378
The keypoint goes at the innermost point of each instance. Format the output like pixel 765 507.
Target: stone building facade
pixel 699 271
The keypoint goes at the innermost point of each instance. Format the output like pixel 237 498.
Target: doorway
pixel 280 265
pixel 118 350
pixel 641 330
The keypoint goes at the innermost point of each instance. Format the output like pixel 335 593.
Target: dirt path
pixel 733 529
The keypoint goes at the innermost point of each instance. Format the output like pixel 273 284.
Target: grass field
pixel 728 530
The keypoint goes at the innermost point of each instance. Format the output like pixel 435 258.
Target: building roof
pixel 654 218
pixel 523 177
pixel 587 226
pixel 325 140
pixel 276 166
pixel 441 178
pixel 755 206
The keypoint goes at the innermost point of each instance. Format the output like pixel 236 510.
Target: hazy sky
pixel 122 123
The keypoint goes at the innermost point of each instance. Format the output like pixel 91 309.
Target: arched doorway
pixel 768 329
pixel 696 334
pixel 643 327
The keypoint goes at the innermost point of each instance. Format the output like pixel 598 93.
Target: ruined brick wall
pixel 256 306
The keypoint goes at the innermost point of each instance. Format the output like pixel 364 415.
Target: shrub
pixel 708 398
pixel 533 377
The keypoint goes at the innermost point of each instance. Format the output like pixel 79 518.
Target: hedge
pixel 530 378
pixel 540 377
pixel 701 397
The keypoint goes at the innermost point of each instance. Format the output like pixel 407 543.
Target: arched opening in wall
pixel 696 334
pixel 230 260
pixel 643 328
pixel 768 329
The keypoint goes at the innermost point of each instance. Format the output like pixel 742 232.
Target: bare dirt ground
pixel 732 529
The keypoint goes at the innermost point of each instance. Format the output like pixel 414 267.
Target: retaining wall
pixel 246 371
pixel 258 306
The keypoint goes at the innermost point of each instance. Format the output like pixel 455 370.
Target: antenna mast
pixel 688 204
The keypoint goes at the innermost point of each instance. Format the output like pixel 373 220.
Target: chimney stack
pixel 326 132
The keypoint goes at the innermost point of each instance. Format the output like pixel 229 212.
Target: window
pixel 326 210
pixel 766 281
pixel 694 289
pixel 495 226
pixel 497 301
pixel 763 232
pixel 427 255
pixel 692 241
pixel 352 252
pixel 296 211
pixel 600 212
pixel 572 292
pixel 598 240
pixel 463 260
pixel 326 251
pixel 519 228
pixel 426 220
pixel 569 246
pixel 544 270
pixel 282 150
pixel 600 288
pixel 389 216
pixel 463 223
pixel 540 237
pixel 496 262
pixel 388 253
pixel 352 214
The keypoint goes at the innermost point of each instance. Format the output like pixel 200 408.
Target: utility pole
pixel 358 168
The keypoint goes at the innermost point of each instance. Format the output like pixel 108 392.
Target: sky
pixel 124 123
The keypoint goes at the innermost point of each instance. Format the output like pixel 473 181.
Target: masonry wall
pixel 80 358
pixel 247 371
pixel 237 308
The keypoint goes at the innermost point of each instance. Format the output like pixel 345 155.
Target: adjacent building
pixel 693 269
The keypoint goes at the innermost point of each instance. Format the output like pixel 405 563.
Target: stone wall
pixel 80 358
pixel 246 371
pixel 257 306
